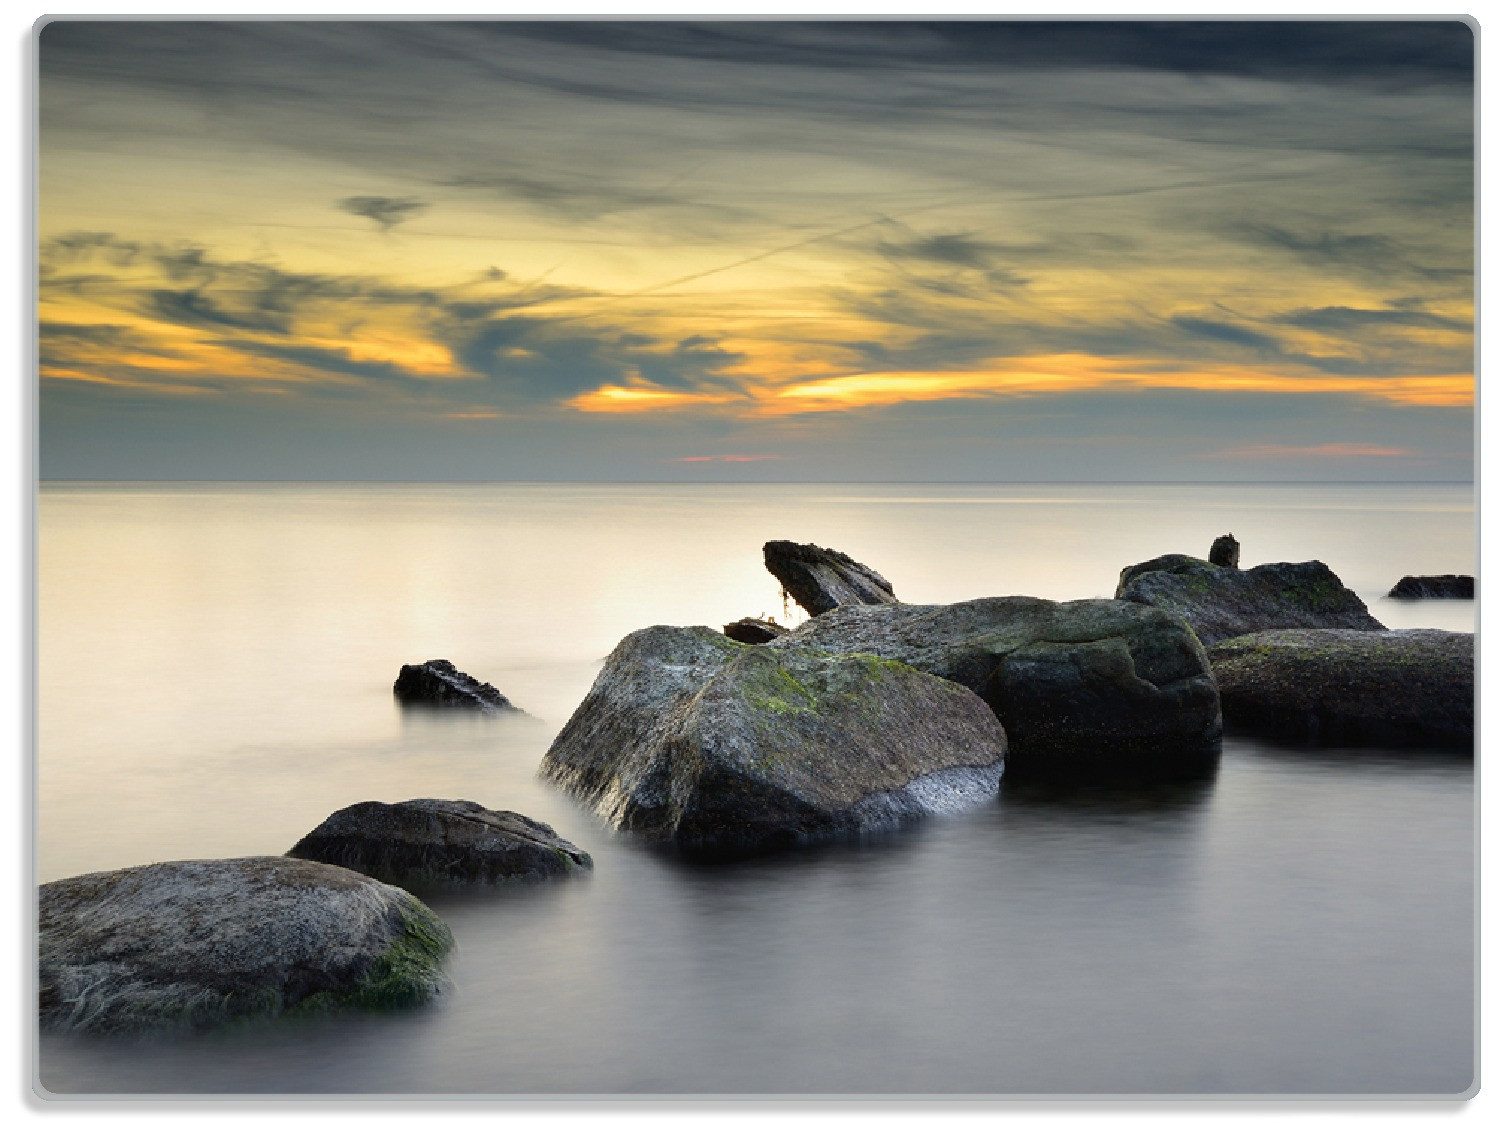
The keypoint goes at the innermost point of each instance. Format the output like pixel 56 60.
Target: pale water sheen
pixel 215 673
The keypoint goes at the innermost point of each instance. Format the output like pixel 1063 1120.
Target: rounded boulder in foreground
pixel 441 840
pixel 1411 687
pixel 187 945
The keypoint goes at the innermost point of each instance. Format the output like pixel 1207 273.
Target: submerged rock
pixel 723 748
pixel 1225 552
pixel 752 629
pixel 1080 686
pixel 440 840
pixel 185 945
pixel 820 579
pixel 438 682
pixel 1338 686
pixel 1220 603
pixel 1448 586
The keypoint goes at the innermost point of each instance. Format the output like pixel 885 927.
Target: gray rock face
pixel 820 579
pixel 722 748
pixel 753 630
pixel 1334 686
pixel 1225 552
pixel 1080 686
pixel 185 945
pixel 440 840
pixel 1448 586
pixel 1219 603
pixel 439 683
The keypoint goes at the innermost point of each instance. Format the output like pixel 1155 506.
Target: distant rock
pixel 1225 552
pixel 1336 686
pixel 721 748
pixel 185 945
pixel 1220 603
pixel 1090 686
pixel 439 683
pixel 1448 586
pixel 440 840
pixel 752 629
pixel 820 579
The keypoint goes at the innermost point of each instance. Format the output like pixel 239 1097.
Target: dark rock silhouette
pixel 751 629
pixel 440 840
pixel 1220 603
pixel 185 945
pixel 439 683
pixel 1225 552
pixel 820 579
pixel 1342 687
pixel 1448 586
pixel 1090 686
pixel 721 748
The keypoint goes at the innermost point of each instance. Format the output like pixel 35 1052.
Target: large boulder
pixel 820 579
pixel 1092 686
pixel 438 683
pixel 1219 602
pixel 720 747
pixel 185 945
pixel 752 629
pixel 437 840
pixel 1338 686
pixel 1447 586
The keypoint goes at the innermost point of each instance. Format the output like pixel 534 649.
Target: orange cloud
pixel 1039 374
pixel 1333 450
pixel 731 458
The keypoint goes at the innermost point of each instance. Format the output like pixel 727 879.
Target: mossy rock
pixel 1219 603
pixel 718 747
pixel 1081 687
pixel 1411 687
pixel 181 946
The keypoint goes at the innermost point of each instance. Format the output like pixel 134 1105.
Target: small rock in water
pixel 440 840
pixel 1447 586
pixel 819 579
pixel 438 682
pixel 752 629
pixel 1225 552
pixel 1334 686
pixel 185 945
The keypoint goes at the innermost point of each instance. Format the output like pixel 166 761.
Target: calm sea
pixel 215 678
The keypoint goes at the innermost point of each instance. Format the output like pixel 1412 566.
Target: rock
pixel 1219 603
pixel 1090 686
pixel 1225 552
pixel 185 945
pixel 439 683
pixel 1448 586
pixel 724 748
pixel 752 629
pixel 1338 686
pixel 422 840
pixel 820 580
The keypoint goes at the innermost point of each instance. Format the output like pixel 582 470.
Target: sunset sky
pixel 756 251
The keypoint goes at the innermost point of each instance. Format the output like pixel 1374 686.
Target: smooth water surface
pixel 215 678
